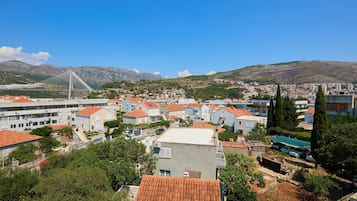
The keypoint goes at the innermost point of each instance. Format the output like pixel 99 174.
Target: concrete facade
pixel 341 104
pixel 244 124
pixel 188 150
pixel 95 121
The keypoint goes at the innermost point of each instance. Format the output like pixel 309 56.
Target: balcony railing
pixel 220 160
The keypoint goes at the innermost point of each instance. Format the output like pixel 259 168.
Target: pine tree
pixel 270 121
pixel 320 126
pixel 279 116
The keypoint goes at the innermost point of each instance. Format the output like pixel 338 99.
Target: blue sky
pixel 169 37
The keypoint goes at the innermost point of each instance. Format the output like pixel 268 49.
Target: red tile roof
pixel 234 144
pixel 207 125
pixel 150 104
pixel 195 105
pixel 135 100
pixel 8 138
pixel 238 112
pixel 172 117
pixel 311 110
pixel 17 99
pixel 175 107
pixel 136 113
pixel 213 107
pixel 157 188
pixel 59 127
pixel 88 111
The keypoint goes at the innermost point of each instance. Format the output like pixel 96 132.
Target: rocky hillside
pixel 296 72
pixel 19 72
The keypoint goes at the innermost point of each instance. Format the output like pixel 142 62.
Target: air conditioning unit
pixel 186 174
pixel 156 145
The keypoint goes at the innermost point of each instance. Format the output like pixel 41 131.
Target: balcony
pixel 220 160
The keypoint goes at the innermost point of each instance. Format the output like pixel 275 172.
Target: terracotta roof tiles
pixel 311 110
pixel 150 104
pixel 238 112
pixel 175 107
pixel 207 125
pixel 8 138
pixel 88 111
pixel 157 188
pixel 136 114
pixel 59 127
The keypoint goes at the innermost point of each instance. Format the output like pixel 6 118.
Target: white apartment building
pixel 20 116
pixel 189 152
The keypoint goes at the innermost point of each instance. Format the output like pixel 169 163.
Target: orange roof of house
pixel 8 138
pixel 17 99
pixel 88 111
pixel 213 107
pixel 59 127
pixel 238 112
pixel 175 107
pixel 113 100
pixel 207 125
pixel 136 113
pixel 150 104
pixel 172 117
pixel 158 188
pixel 234 144
pixel 135 100
pixel 311 110
pixel 196 105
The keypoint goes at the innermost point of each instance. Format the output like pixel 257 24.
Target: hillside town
pixel 190 139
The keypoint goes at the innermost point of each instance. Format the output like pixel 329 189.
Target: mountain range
pixel 12 72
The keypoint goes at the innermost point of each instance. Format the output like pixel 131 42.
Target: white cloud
pixel 184 73
pixel 136 70
pixel 10 53
pixel 156 73
pixel 211 72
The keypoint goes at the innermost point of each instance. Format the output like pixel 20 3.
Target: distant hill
pixel 296 72
pixel 18 72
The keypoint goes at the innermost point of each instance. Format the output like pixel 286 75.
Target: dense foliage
pixel 214 91
pixel 24 153
pixel 318 184
pixel 17 183
pixel 44 131
pixel 227 136
pixel 338 150
pixel 239 172
pixel 257 133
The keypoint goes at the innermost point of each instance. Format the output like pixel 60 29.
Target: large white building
pixel 19 116
pixel 189 152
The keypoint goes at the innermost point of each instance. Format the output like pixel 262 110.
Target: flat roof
pixel 256 118
pixel 199 136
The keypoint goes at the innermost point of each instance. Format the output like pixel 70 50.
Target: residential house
pixel 195 152
pixel 175 110
pixel 129 104
pixel 156 188
pixel 10 140
pixel 136 117
pixel 93 118
pixel 309 115
pixel 198 111
pixel 244 124
pixel 207 125
pixel 151 109
pixel 227 116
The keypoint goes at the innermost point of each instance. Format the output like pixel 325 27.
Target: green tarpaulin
pixel 291 142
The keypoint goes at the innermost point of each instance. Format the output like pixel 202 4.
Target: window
pixel 165 173
pixel 165 152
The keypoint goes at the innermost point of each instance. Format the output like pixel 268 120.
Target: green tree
pixel 237 184
pixel 257 133
pixel 318 184
pixel 24 153
pixel 42 131
pixel 271 121
pixel 338 150
pixel 227 135
pixel 289 114
pixel 47 143
pixel 319 125
pixel 85 183
pixel 279 114
pixel 67 131
pixel 17 183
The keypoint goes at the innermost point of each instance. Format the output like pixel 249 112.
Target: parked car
pixel 296 154
pixel 310 158
pixel 285 150
pixel 275 146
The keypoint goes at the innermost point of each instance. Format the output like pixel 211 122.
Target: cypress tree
pixel 289 114
pixel 320 126
pixel 270 121
pixel 279 116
